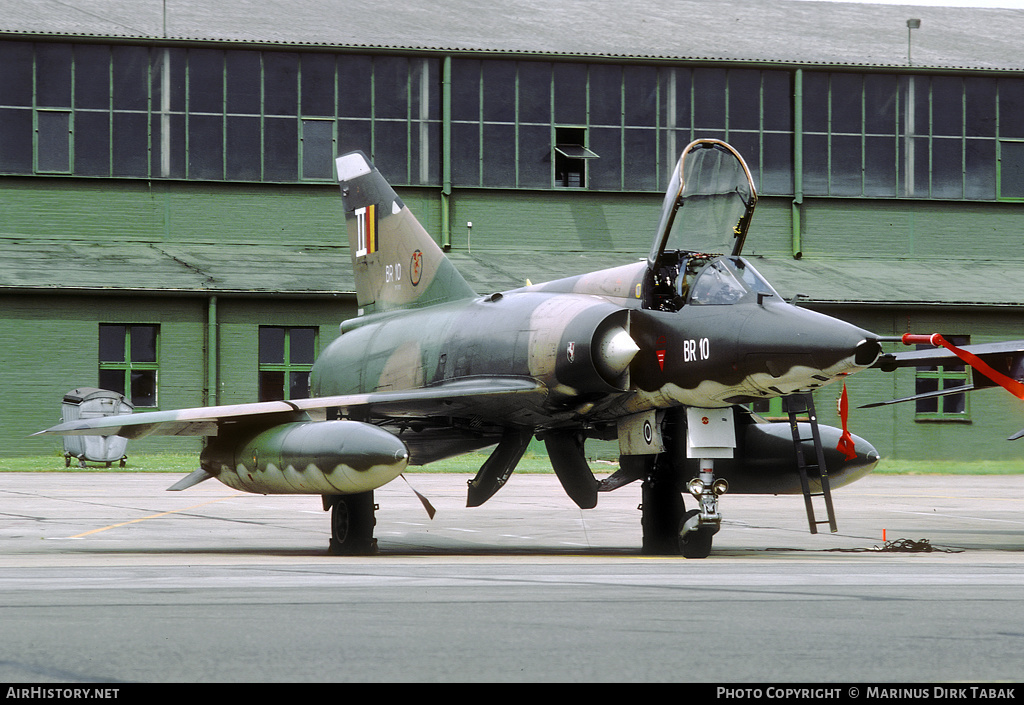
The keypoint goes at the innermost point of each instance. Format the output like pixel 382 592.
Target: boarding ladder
pixel 812 470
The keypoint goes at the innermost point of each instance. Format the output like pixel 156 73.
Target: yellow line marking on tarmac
pixel 151 516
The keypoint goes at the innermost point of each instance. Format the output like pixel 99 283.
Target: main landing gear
pixel 352 522
pixel 668 528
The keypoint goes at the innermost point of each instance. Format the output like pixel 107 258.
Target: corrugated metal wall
pixel 170 211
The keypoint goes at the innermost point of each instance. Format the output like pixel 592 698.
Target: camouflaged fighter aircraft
pixel 661 354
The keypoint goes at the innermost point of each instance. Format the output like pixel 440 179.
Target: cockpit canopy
pixel 684 278
pixel 708 204
pixel 704 220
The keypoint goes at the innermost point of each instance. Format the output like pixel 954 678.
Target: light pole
pixel 911 26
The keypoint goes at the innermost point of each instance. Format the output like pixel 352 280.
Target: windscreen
pixel 726 281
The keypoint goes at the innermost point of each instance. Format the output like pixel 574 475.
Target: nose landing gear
pixel 668 528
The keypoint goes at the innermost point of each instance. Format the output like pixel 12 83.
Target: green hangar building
pixel 170 227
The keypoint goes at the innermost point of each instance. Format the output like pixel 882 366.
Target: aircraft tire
pixel 663 512
pixel 695 544
pixel 352 522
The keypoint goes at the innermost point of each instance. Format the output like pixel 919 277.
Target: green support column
pixel 211 352
pixel 798 162
pixel 446 153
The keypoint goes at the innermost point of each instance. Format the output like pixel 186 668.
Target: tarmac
pixel 108 578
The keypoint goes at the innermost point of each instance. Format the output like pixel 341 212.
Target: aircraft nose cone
pixel 794 348
pixel 867 352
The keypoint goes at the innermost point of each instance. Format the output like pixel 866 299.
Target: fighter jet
pixel 663 354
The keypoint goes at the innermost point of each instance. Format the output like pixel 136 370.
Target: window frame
pixel 943 377
pixel 45 144
pixel 922 136
pixel 1002 169
pixel 129 367
pixel 286 367
pixel 305 153
pixel 570 154
pixel 911 134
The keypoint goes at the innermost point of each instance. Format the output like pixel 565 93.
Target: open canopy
pixel 709 202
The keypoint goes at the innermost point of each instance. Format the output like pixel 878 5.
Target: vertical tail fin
pixel 396 262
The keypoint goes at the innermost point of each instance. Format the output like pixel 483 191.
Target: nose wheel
pixel 700 525
pixel 668 528
pixel 694 539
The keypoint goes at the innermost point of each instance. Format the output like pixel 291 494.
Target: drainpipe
pixel 446 153
pixel 798 161
pixel 212 352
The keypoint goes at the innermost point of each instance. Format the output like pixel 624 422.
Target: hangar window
pixel 215 114
pixel 883 135
pixel 53 141
pixel 318 150
pixel 936 378
pixel 1011 169
pixel 286 361
pixel 571 155
pixel 129 361
pixel 637 118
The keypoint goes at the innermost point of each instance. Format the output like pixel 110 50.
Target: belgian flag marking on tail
pixel 366 229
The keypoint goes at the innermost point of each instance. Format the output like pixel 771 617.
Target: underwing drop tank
pixel 316 457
